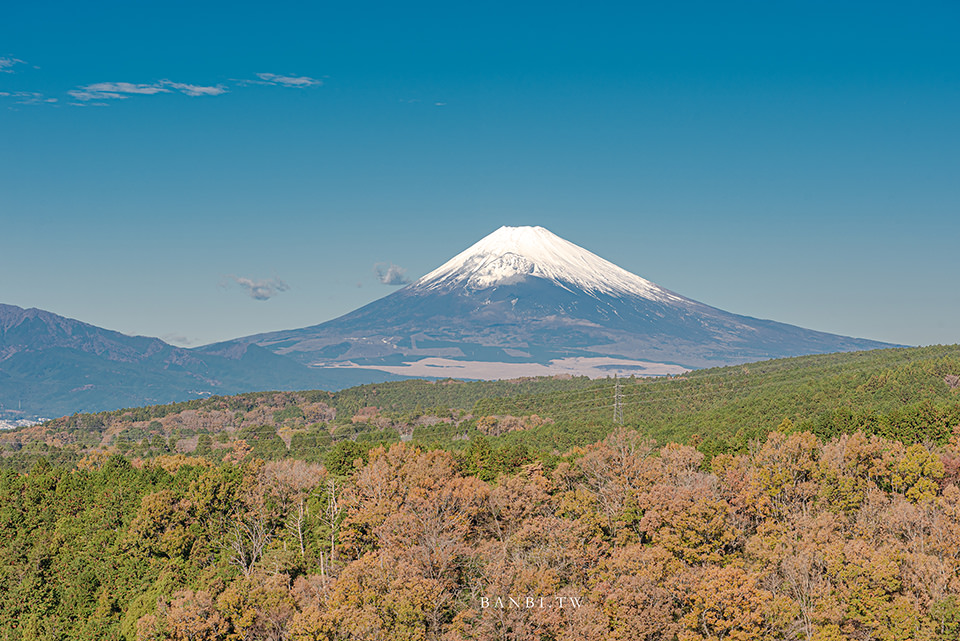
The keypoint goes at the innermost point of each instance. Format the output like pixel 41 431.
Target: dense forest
pixel 815 498
pixel 857 537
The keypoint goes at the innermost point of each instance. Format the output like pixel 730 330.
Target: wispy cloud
pixel 102 94
pixel 390 274
pixel 127 87
pixel 121 90
pixel 287 81
pixel 7 65
pixel 28 97
pixel 260 288
pixel 177 339
pixel 196 90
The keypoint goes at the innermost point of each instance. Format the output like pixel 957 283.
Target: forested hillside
pixel 910 394
pixel 906 394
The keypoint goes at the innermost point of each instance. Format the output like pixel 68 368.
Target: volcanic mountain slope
pixel 523 296
pixel 51 365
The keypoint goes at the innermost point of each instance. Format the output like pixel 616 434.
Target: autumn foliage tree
pixel 793 537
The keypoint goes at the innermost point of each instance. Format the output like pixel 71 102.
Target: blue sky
pixel 203 173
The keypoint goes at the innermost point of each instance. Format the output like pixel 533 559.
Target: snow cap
pixel 511 254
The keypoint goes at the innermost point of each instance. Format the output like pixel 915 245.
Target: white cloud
pixel 28 97
pixel 127 87
pixel 260 288
pixel 390 274
pixel 121 90
pixel 83 94
pixel 7 64
pixel 288 81
pixel 101 93
pixel 97 93
pixel 196 90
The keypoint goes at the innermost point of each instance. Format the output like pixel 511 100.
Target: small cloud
pixel 28 97
pixel 126 87
pixel 177 339
pixel 122 90
pixel 101 93
pixel 196 90
pixel 288 81
pixel 7 64
pixel 440 104
pixel 390 274
pixel 85 95
pixel 89 104
pixel 260 289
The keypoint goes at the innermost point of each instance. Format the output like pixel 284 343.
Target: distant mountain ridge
pixel 525 295
pixel 51 365
pixel 29 330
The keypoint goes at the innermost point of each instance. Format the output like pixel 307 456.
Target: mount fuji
pixel 521 302
pixel 524 301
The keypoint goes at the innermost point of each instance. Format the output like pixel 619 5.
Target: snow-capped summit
pixel 511 254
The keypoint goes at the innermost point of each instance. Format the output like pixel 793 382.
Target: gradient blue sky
pixel 798 161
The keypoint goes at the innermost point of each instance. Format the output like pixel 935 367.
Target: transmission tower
pixel 617 402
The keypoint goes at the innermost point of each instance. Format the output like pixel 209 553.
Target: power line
pixel 617 402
